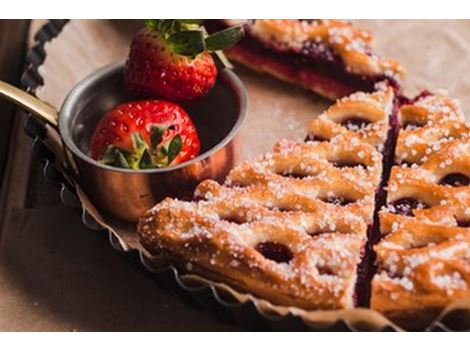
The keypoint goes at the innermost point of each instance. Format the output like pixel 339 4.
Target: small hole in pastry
pixel 411 125
pixel 317 233
pixel 283 208
pixel 463 223
pixel 355 123
pixel 233 218
pixel 338 200
pixel 405 163
pixel 405 206
pixel 347 163
pixel 455 180
pixel 325 270
pixel 275 251
pixel 236 184
pixel 315 138
pixel 421 244
pixel 294 174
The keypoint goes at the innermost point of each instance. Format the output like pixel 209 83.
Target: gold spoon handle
pixel 38 108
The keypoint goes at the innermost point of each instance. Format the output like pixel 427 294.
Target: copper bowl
pixel 127 194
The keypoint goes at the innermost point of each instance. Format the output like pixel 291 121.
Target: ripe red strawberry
pixel 170 59
pixel 145 134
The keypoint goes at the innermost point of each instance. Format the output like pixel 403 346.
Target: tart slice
pixel 423 260
pixel 290 227
pixel 330 57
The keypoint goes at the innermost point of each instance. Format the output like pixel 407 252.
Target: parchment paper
pixel 436 54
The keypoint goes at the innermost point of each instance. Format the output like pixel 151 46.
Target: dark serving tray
pixel 203 295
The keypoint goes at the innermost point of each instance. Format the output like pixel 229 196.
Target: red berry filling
pixel 275 251
pixel 355 123
pixel 463 223
pixel 347 163
pixel 455 180
pixel 338 200
pixel 405 206
pixel 412 125
pixel 315 138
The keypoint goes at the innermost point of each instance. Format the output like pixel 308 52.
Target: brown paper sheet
pixel 436 55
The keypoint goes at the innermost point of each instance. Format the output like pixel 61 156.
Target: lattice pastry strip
pixel 429 124
pixel 359 116
pixel 345 163
pixel 422 267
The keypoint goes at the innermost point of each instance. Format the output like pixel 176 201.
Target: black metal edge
pixel 204 295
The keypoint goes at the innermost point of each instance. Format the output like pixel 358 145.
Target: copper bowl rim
pixel 227 76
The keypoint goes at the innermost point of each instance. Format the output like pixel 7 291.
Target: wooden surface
pixel 13 40
pixel 12 52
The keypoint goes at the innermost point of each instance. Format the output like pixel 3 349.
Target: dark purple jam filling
pixel 325 270
pixel 235 219
pixel 294 175
pixel 423 94
pixel 317 233
pixel 463 223
pixel 412 125
pixel 347 163
pixel 405 206
pixel 314 138
pixel 338 200
pixel 455 180
pixel 367 269
pixel 355 123
pixel 364 272
pixel 324 63
pixel 275 251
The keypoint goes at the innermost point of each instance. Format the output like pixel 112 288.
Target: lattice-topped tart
pixel 298 225
pixel 330 57
pixel 424 257
pixel 291 226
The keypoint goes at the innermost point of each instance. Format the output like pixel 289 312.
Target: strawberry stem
pixel 189 37
pixel 145 157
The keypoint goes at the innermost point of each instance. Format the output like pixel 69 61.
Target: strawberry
pixel 145 134
pixel 171 60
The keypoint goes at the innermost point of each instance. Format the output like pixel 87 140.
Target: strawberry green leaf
pixel 174 148
pixel 190 21
pixel 224 39
pixel 156 135
pixel 165 27
pixel 140 148
pixel 151 23
pixel 160 158
pixel 138 142
pixel 113 156
pixel 146 161
pixel 188 43
pixel 108 155
pixel 120 160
